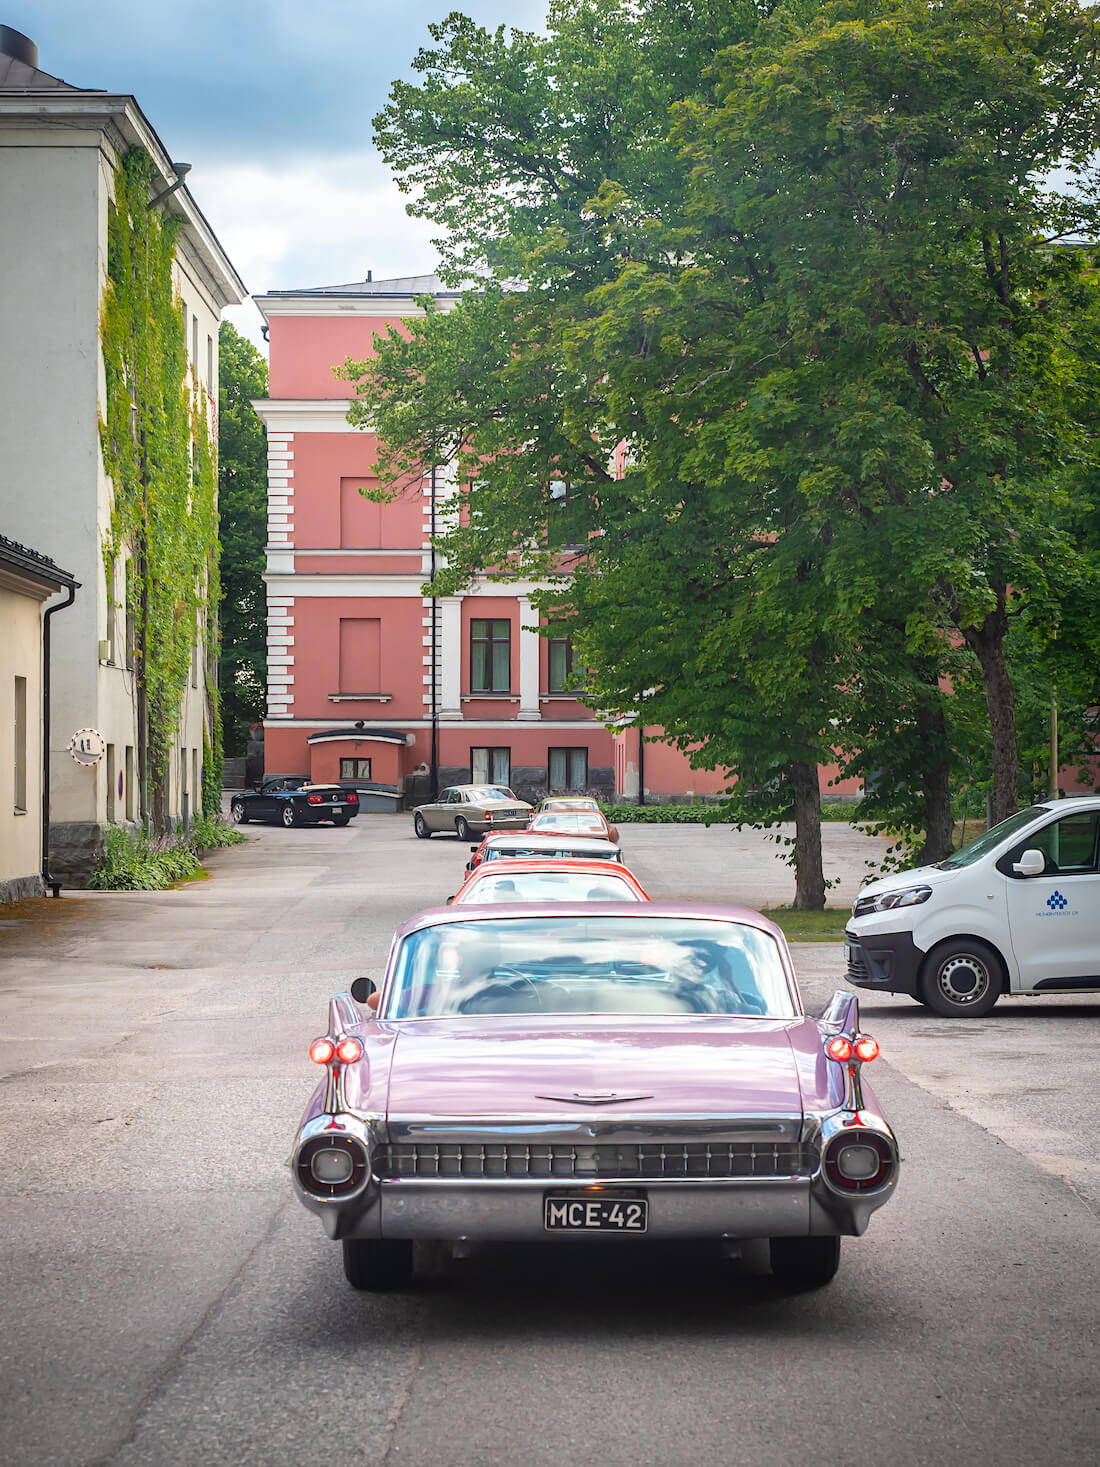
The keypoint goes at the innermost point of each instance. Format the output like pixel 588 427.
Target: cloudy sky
pixel 271 102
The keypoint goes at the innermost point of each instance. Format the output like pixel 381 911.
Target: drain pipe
pixel 48 880
pixel 435 646
pixel 641 764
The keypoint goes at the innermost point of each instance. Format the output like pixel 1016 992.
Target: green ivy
pixel 158 452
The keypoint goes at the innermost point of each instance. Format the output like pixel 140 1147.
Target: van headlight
pixel 886 901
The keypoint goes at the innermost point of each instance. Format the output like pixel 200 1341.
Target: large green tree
pixel 242 512
pixel 826 310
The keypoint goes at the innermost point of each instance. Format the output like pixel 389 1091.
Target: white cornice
pixel 121 116
pixel 305 414
pixel 551 725
pixel 360 583
pixel 379 306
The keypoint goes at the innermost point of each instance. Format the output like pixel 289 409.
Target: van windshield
pixel 992 838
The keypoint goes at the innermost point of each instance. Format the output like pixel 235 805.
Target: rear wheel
pixel 340 819
pixel 420 825
pixel 961 979
pixel 462 829
pixel 378 1263
pixel 289 816
pixel 237 813
pixel 807 1263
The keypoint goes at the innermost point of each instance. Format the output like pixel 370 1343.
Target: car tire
pixel 462 829
pixel 961 979
pixel 340 819
pixel 378 1263
pixel 805 1263
pixel 289 816
pixel 237 813
pixel 420 825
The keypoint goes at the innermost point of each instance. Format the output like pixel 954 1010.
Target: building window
pixel 195 344
pixel 567 769
pixel 20 785
pixel 128 786
pixel 112 788
pixel 490 656
pixel 491 766
pixel 360 654
pixel 355 769
pixel 560 665
pixel 210 364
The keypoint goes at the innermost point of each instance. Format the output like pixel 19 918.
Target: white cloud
pixel 325 222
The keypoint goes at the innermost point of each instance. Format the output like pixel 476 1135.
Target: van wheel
pixel 961 979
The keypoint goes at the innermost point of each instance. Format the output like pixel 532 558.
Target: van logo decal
pixel 1056 901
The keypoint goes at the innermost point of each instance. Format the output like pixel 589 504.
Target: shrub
pixel 148 862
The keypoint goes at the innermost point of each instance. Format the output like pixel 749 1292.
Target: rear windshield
pixel 580 822
pixel 548 848
pixel 489 792
pixel 549 886
pixel 589 965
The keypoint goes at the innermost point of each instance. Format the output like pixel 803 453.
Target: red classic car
pixel 550 880
pixel 581 1069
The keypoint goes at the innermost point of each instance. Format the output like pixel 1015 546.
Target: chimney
pixel 18 46
pixel 369 273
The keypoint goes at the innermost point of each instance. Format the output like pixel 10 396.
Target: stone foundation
pixel 16 888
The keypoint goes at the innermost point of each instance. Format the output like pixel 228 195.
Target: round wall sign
pixel 87 746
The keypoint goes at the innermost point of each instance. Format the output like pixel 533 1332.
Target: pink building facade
pixel 370 682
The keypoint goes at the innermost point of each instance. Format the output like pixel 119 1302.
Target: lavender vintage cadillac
pixel 565 1070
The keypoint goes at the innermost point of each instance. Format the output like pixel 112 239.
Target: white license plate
pixel 847 952
pixel 610 1214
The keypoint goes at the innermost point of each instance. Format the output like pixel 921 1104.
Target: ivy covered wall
pixel 158 451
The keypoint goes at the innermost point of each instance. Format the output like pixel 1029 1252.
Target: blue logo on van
pixel 1056 901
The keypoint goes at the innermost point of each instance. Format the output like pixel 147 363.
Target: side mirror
pixel 474 849
pixel 1031 863
pixel 362 988
pixel 449 900
pixel 258 785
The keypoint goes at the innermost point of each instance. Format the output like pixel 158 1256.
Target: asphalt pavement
pixel 167 1301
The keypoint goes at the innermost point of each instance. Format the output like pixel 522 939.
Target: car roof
pixel 537 911
pixel 551 863
pixel 503 840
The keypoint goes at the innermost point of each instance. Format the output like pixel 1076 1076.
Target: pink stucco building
pixel 370 681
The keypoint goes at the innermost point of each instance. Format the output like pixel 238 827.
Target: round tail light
pixel 321 1051
pixel 866 1048
pixel 839 1049
pixel 859 1161
pixel 331 1166
pixel 348 1051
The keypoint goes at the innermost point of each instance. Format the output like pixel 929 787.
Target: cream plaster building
pixel 59 149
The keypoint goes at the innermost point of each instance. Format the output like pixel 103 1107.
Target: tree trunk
pixel 988 644
pixel 809 875
pixel 938 824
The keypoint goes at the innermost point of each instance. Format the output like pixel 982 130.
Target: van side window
pixel 1069 844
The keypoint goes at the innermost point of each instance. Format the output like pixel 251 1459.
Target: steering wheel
pixel 502 980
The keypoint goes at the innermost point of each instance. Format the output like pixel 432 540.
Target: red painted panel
pixel 305 349
pixel 317 672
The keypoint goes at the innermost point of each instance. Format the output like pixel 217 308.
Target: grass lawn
pixel 826 926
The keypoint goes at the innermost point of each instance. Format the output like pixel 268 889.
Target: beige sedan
pixel 471 809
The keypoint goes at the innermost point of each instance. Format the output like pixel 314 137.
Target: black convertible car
pixel 290 799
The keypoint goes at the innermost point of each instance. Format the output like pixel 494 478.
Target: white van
pixel 1016 911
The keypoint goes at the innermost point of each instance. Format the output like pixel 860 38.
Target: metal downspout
pixel 47 879
pixel 641 765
